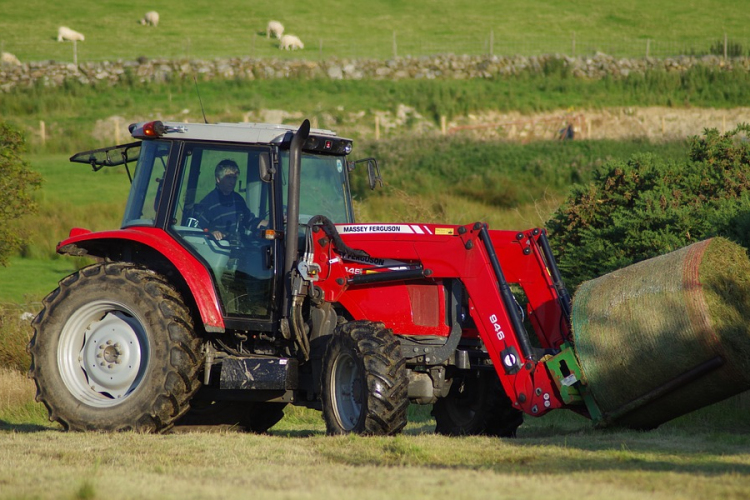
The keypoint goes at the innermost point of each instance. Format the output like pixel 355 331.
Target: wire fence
pixel 382 46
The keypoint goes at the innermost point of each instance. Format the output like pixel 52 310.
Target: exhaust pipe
pixel 291 238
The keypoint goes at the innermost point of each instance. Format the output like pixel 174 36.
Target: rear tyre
pixel 114 349
pixel 365 384
pixel 246 415
pixel 476 405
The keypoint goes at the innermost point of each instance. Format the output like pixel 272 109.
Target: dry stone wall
pixel 52 73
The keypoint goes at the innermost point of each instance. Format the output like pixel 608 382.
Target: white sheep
pixel 291 42
pixel 151 18
pixel 65 33
pixel 274 28
pixel 8 58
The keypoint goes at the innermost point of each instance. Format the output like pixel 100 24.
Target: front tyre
pixel 114 349
pixel 365 384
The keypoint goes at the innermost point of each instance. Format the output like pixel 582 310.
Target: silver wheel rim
pixel 348 391
pixel 103 353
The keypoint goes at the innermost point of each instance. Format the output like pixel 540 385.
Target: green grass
pixel 28 280
pixel 79 117
pixel 232 27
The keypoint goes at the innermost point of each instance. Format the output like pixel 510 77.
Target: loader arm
pixel 487 263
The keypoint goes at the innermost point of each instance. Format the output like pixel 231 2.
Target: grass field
pixel 330 28
pixel 703 455
pixel 559 455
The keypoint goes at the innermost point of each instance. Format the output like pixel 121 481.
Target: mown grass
pixel 232 27
pixel 556 453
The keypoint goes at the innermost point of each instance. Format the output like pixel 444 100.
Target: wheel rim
pixel 348 391
pixel 103 353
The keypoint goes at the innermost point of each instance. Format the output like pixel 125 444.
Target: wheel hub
pixel 111 354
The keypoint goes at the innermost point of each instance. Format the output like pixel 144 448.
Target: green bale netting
pixel 666 336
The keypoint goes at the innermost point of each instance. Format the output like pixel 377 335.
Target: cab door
pixel 242 262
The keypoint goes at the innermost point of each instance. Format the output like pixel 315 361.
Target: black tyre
pixel 476 405
pixel 114 349
pixel 249 416
pixel 365 385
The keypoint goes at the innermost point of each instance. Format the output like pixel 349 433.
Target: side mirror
pixel 265 170
pixel 373 171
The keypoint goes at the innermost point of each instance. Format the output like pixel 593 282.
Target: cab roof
pixel 253 133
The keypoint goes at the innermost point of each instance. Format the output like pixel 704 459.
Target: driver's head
pixel 226 173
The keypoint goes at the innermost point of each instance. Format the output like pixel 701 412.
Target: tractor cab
pixel 238 233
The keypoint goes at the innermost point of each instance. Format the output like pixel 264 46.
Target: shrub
pixel 643 207
pixel 17 182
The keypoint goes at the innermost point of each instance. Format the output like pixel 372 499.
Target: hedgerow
pixel 636 209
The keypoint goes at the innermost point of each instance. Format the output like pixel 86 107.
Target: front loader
pixel 301 305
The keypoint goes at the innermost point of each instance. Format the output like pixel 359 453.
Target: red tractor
pixel 239 283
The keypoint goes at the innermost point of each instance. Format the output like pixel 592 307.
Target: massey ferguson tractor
pixel 289 300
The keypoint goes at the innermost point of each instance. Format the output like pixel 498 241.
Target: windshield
pixel 323 187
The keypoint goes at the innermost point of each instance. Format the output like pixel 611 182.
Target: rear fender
pixel 128 244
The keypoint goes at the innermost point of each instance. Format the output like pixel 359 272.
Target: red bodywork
pixel 418 308
pixel 195 274
pixel 407 307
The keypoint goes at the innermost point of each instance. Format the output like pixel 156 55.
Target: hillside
pixel 201 29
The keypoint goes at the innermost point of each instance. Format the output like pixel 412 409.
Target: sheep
pixel 151 18
pixel 291 42
pixel 10 59
pixel 274 28
pixel 65 33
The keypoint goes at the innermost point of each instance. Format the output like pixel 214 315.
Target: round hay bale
pixel 666 336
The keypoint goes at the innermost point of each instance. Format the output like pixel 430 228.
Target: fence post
pixel 443 124
pixel 42 132
pixel 725 45
pixel 117 130
pixel 574 44
pixel 395 47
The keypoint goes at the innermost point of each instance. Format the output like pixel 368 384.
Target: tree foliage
pixel 17 183
pixel 643 207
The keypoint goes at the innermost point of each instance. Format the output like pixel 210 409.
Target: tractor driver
pixel 223 212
